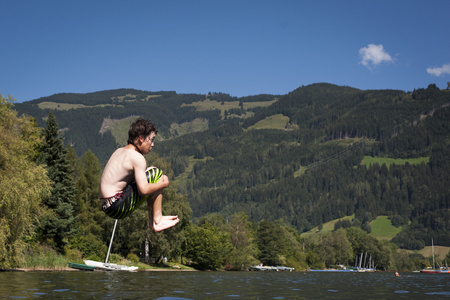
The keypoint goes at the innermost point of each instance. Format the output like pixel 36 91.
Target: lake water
pixel 222 285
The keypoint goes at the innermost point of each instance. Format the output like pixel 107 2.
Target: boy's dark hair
pixel 139 128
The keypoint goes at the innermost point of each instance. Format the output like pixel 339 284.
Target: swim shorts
pixel 122 204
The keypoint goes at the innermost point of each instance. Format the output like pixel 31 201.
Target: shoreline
pixel 64 269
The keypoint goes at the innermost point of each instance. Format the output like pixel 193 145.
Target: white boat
pixel 271 268
pixel 362 270
pixel 109 266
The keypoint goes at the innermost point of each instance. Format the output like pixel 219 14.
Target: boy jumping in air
pixel 126 183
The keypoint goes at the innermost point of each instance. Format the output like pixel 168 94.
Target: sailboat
pixel 91 265
pixel 441 270
pixel 110 266
pixel 366 268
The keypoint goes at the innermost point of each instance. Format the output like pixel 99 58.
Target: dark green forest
pixel 301 176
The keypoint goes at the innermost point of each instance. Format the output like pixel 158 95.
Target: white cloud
pixel 445 69
pixel 373 55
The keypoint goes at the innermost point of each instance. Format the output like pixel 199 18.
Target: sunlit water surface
pixel 222 285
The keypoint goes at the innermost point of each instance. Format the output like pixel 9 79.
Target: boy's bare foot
pixel 165 222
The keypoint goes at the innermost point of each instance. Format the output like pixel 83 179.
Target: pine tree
pixel 91 220
pixel 57 227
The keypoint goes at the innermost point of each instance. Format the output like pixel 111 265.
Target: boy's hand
pixel 165 181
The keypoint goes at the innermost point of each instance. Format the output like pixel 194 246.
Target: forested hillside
pixel 306 173
pixel 81 115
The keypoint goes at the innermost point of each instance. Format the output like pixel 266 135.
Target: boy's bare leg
pixel 157 221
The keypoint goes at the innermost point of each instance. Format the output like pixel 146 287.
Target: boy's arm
pixel 144 187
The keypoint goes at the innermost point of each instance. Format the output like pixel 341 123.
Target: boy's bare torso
pixel 119 171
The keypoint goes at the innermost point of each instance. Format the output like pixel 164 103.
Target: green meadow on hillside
pixel 119 128
pixel 369 160
pixel 195 125
pixel 67 106
pixel 273 122
pixel 326 227
pixel 208 104
pixel 382 228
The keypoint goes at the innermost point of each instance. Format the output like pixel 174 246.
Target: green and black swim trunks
pixel 122 204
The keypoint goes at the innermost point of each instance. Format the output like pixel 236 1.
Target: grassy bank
pixel 41 257
pixel 44 258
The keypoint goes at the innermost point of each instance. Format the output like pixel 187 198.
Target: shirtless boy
pixel 124 184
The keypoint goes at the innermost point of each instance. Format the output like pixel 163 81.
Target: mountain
pixel 300 157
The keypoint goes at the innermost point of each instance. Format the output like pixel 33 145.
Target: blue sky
pixel 241 47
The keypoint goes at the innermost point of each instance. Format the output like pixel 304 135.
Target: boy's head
pixel 139 128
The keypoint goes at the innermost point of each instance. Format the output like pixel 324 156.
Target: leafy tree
pixel 23 183
pixel 294 254
pixel 366 227
pixel 407 239
pixel 335 248
pixel 215 220
pixel 206 246
pixel 244 251
pixel 271 243
pixel 342 224
pixel 398 221
pixel 313 260
pixel 403 261
pixel 58 226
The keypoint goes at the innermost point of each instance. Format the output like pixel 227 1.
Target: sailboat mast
pixel 432 251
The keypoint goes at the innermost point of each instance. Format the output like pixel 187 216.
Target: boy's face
pixel 147 143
